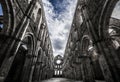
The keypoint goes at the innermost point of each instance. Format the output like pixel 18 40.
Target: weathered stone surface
pixel 25 46
pixel 94 36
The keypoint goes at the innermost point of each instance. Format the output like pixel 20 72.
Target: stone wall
pixel 90 54
pixel 25 48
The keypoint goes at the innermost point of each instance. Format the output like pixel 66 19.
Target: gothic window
pixel 81 19
pixel 1 17
pixel 75 35
pixel 38 17
pixel 6 17
pixel 41 32
pixel 88 48
pixel 55 72
pixel 80 15
pixel 58 61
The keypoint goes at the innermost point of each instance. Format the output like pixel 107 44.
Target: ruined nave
pixel 92 52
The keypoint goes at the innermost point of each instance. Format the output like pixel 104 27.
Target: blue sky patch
pixel 1 12
pixel 58 5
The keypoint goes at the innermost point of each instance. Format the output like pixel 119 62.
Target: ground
pixel 60 80
pixel 64 80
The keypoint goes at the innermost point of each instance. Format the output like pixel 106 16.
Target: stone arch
pixel 22 63
pixel 7 19
pixel 59 57
pixel 86 65
pixel 42 30
pixel 90 59
pixel 85 43
pixel 104 26
pixel 105 17
pixel 39 16
pixel 32 39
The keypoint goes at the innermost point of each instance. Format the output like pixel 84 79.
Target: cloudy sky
pixel 116 12
pixel 59 15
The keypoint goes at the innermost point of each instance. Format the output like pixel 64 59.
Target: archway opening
pixel 90 58
pixel 19 66
pixel 116 12
pixel 1 17
pixel 58 61
pixel 114 27
pixel 6 16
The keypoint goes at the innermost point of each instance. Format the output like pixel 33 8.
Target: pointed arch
pixel 22 63
pixel 7 16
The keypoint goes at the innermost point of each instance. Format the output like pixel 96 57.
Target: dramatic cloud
pixel 116 12
pixel 59 15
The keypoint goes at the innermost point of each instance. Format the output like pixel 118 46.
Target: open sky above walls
pixel 116 11
pixel 59 16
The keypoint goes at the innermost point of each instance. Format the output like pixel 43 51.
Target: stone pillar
pixel 27 68
pixel 112 63
pixel 87 71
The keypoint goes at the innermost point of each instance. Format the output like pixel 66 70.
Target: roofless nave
pixel 92 52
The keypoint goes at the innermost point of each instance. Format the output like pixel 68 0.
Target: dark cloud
pixel 59 5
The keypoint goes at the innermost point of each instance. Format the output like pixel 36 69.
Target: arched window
pixel 42 30
pixel 58 61
pixel 80 15
pixel 1 17
pixel 38 17
pixel 58 72
pixel 20 67
pixel 6 17
pixel 55 72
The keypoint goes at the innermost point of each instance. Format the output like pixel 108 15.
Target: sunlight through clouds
pixel 59 16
